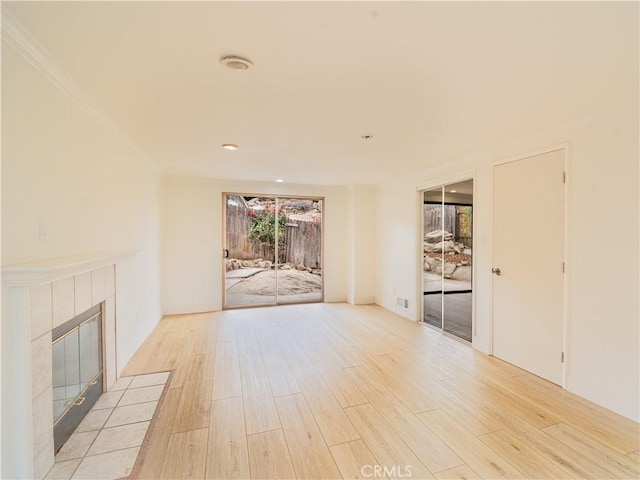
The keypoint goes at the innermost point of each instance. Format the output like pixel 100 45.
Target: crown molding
pixel 15 35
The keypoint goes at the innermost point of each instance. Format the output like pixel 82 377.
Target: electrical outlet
pixel 402 302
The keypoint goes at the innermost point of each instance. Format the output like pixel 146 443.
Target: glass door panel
pixel 432 257
pixel 250 250
pixel 66 373
pixel 458 223
pixel 300 250
pixel 90 351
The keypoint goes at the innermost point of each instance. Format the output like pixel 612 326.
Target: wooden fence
pixel 302 244
pixel 456 220
pixel 434 220
pixel 238 226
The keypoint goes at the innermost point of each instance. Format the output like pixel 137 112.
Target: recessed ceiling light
pixel 279 180
pixel 229 146
pixel 366 136
pixel 236 63
pixel 453 191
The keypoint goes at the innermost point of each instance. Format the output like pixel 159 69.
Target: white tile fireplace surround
pixel 36 298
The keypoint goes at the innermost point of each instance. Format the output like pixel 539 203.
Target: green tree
pixel 262 233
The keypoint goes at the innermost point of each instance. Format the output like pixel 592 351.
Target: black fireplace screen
pixel 77 371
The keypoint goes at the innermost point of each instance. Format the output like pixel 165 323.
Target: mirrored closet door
pixel 447 258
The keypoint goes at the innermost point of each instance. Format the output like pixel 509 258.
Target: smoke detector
pixel 236 63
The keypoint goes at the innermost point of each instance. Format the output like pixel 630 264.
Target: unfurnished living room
pixel 320 240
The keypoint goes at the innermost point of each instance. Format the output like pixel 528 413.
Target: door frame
pixel 439 182
pixel 224 244
pixel 565 147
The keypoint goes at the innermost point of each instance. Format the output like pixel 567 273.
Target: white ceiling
pixel 431 80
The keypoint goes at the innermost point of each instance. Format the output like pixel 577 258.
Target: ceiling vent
pixel 236 63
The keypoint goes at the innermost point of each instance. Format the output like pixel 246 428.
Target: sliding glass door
pixel 447 258
pixel 272 249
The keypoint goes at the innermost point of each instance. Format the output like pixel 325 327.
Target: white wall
pixel 603 353
pixel 192 262
pixel 74 180
pixel 362 254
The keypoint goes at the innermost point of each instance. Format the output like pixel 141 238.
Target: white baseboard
pixel 625 405
pixel 186 309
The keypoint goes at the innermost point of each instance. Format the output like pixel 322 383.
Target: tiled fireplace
pixel 37 299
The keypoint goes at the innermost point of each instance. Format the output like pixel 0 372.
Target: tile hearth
pixel 107 442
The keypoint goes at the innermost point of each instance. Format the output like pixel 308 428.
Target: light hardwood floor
pixel 340 391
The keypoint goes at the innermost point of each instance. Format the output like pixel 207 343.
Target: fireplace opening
pixel 77 371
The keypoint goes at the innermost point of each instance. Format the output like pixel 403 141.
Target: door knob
pixel 496 271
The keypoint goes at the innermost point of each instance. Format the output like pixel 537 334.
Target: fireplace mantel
pixel 45 271
pixel 36 298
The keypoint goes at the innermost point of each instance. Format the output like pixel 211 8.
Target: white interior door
pixel 528 250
